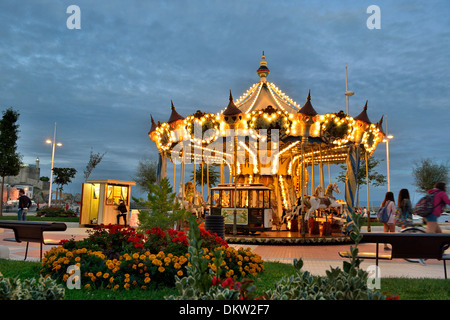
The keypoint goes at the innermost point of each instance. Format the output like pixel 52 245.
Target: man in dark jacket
pixel 24 205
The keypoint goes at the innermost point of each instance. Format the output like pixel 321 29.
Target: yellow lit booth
pixel 100 198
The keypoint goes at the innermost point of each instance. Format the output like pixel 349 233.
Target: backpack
pixel 424 206
pixel 382 214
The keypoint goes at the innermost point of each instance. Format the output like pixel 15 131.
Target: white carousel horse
pixel 324 202
pixel 295 212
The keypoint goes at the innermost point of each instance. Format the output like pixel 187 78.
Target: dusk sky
pixel 100 83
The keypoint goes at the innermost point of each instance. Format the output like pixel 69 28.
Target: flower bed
pixel 117 257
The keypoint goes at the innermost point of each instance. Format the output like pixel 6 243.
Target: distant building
pixel 27 179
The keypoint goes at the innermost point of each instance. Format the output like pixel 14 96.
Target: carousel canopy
pixel 320 137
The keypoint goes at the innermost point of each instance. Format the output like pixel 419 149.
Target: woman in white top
pixel 389 202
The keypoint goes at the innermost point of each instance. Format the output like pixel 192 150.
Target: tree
pixel 376 179
pixel 426 173
pixel 164 210
pixel 146 174
pixel 10 159
pixel 63 176
pixel 94 160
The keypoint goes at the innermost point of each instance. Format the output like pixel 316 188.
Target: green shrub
pixel 349 283
pixel 55 212
pixel 30 289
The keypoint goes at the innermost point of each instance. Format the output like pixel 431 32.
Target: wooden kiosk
pixel 100 198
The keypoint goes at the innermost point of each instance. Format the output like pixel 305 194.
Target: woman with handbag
pixel 389 225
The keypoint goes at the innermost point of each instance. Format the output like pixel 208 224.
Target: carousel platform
pixel 274 237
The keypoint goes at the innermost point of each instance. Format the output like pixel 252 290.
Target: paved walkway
pixel 317 258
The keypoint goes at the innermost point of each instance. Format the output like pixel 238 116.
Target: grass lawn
pixel 406 289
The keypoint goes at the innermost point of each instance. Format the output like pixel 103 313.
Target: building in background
pixel 29 180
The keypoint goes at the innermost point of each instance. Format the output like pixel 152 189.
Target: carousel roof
pixel 265 106
pixel 264 94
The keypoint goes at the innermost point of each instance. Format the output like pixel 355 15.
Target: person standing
pixel 389 203
pixel 24 205
pixel 440 199
pixel 405 208
pixel 122 212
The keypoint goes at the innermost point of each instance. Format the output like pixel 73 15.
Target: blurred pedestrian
pixel 122 212
pixel 440 199
pixel 389 203
pixel 24 205
pixel 405 209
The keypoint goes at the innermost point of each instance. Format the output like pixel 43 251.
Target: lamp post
pixel 53 143
pixel 388 137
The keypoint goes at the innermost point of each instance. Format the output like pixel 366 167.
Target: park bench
pixel 32 231
pixel 407 246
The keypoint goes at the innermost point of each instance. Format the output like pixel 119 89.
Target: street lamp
pixel 53 143
pixel 388 137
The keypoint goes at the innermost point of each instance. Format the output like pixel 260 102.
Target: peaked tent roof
pixel 174 116
pixel 231 109
pixel 307 107
pixel 363 115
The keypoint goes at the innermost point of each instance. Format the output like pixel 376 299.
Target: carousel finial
pixel 263 71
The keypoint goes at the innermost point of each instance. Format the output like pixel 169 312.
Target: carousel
pixel 272 156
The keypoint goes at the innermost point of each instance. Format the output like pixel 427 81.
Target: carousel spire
pixel 152 131
pixel 174 116
pixel 308 109
pixel 380 125
pixel 231 109
pixel 363 115
pixel 263 71
pixel 153 127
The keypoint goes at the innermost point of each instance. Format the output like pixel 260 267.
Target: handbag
pixel 399 218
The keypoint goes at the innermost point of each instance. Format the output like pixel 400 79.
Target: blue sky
pixel 131 58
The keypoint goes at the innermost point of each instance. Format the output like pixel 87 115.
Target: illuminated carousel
pixel 278 152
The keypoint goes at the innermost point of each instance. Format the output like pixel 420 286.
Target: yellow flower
pixel 156 262
pixel 161 269
pixel 135 255
pixel 98 274
pixel 106 275
pixel 179 273
pixel 147 279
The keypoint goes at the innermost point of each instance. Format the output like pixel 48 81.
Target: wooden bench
pixel 32 231
pixel 407 246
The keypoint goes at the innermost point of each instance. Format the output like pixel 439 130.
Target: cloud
pixel 130 59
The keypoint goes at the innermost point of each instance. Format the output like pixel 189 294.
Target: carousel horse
pixel 324 202
pixel 295 212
